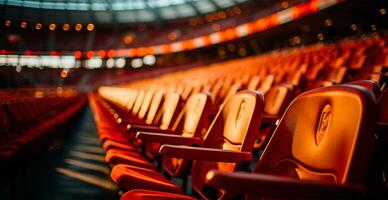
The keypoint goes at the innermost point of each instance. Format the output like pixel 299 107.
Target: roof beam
pixel 112 13
pixel 235 3
pixel 197 12
pixel 90 11
pixel 3 7
pixel 156 13
pixel 215 5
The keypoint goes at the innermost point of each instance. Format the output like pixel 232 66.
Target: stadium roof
pixel 110 11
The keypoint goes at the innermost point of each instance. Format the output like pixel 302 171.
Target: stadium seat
pixel 29 123
pixel 369 84
pixel 227 145
pixel 188 129
pixel 276 101
pixel 289 162
pixel 337 119
pixel 169 113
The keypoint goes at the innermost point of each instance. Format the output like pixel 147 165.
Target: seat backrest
pixel 324 83
pixel 277 100
pixel 165 118
pixel 280 77
pixel 338 75
pixel 188 89
pixel 192 121
pixel 193 115
pixel 235 127
pixel 296 78
pixel 125 95
pixel 314 71
pixel 326 134
pixel 156 102
pixel 226 85
pixel 131 99
pixel 169 111
pixel 357 62
pixel 253 83
pixel 266 84
pixel 145 105
pixel 233 90
pixel 138 102
pixel 215 90
pixel 369 84
pixel 376 77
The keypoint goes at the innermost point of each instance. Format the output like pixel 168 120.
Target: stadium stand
pixel 31 119
pixel 193 99
pixel 318 113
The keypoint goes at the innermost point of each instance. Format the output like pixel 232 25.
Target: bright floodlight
pixel 120 62
pixel 149 60
pixel 137 63
pixel 110 63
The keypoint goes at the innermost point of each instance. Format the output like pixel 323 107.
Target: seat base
pixel 153 195
pixel 131 177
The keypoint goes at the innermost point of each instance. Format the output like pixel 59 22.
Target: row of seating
pixel 308 67
pixel 231 138
pixel 31 119
pixel 229 116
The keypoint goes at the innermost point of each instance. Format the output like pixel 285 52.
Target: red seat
pixel 28 123
pixel 154 195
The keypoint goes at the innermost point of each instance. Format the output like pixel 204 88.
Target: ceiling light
pixel 90 27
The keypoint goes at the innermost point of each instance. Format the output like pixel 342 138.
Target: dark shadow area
pixel 72 168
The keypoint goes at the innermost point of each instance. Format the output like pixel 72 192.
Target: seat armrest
pixel 149 128
pixel 205 154
pixel 270 186
pixel 269 119
pixel 162 138
pixel 133 120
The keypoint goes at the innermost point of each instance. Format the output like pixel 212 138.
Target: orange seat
pixel 188 129
pixel 276 101
pixel 190 124
pixel 121 141
pixel 319 152
pixel 320 149
pixel 227 146
pixel 167 114
pixel 370 85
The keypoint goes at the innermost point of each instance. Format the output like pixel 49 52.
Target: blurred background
pixel 87 43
